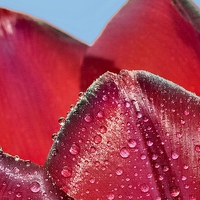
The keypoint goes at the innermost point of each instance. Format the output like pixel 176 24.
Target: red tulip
pixel 131 136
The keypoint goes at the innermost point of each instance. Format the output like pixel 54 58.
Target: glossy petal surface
pixel 152 35
pixel 25 180
pixel 132 136
pixel 37 67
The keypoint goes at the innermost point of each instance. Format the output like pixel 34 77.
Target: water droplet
pixel 132 143
pixel 35 187
pixel 81 94
pixel 139 115
pixel 154 157
pixel 145 119
pixel 54 136
pixel 197 148
pixel 192 197
pixel 127 104
pixel 92 180
pixel 100 114
pixel 144 187
pixel 119 171
pixel 186 112
pixel 92 149
pixel 97 139
pixel 111 196
pixel 185 166
pixel 165 168
pixel 54 152
pixel 182 121
pixel 179 135
pixel 175 155
pixel 174 191
pixel 66 172
pixel 88 118
pixel 61 121
pixel 103 129
pixel 124 152
pixel 27 163
pixel 143 156
pixel 17 158
pixel 149 143
pixel 105 98
pixel 74 150
pixel 18 195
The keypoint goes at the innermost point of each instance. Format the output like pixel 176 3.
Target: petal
pixel 132 135
pixel 25 180
pixel 39 68
pixel 153 35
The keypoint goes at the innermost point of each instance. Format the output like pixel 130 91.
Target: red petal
pixel 152 35
pixel 131 136
pixel 25 180
pixel 39 68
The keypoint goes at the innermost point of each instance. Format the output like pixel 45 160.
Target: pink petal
pixel 132 136
pixel 39 68
pixel 153 35
pixel 25 180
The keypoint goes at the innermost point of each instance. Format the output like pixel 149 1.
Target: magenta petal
pixel 25 180
pixel 131 136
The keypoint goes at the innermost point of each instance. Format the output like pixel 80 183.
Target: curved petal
pixel 25 180
pixel 132 136
pixel 39 67
pixel 152 35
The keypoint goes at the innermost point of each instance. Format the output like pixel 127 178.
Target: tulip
pixel 130 136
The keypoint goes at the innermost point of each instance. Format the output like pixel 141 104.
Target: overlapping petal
pixel 40 74
pixel 133 135
pixel 153 35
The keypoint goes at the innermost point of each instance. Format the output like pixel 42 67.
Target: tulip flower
pixel 132 134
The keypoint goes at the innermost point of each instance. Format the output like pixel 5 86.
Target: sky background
pixel 82 19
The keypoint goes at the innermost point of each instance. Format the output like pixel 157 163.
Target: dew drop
pixel 17 158
pixel 97 139
pixel 149 143
pixel 61 121
pixel 132 143
pixel 192 197
pixel 93 149
pixel 139 115
pixel 119 171
pixel 179 135
pixel 100 114
pixel 124 152
pixel 174 191
pixel 143 156
pixel 35 187
pixel 92 180
pixel 66 172
pixel 111 196
pixel 175 155
pixel 182 121
pixel 105 98
pixel 54 152
pixel 103 129
pixel 74 149
pixel 197 148
pixel 81 94
pixel 144 187
pixel 18 195
pixel 127 104
pixel 54 136
pixel 88 118
pixel 154 157
pixel 186 112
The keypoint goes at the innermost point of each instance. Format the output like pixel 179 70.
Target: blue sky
pixel 82 19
